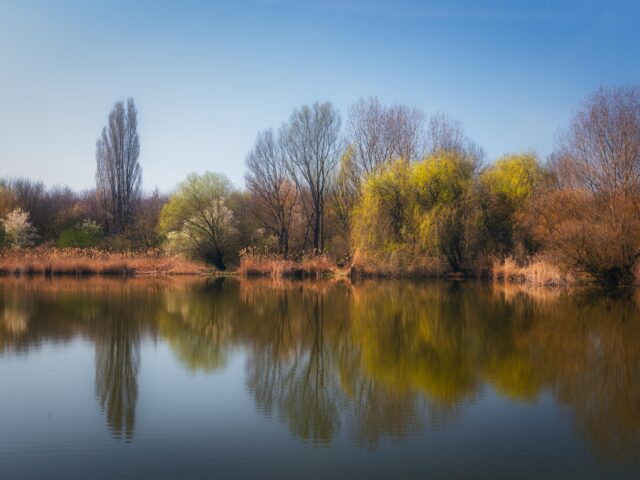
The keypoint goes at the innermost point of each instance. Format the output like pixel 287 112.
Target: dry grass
pixel 254 264
pixel 538 271
pixel 78 262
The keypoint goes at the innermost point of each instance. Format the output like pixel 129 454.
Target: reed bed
pixel 537 272
pixel 82 262
pixel 254 264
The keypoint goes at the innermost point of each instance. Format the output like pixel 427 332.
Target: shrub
pixel 84 235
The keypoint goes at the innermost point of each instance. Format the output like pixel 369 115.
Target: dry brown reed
pixel 79 262
pixel 255 264
pixel 538 271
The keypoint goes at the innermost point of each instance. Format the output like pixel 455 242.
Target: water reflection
pixel 377 360
pixel 99 310
pixel 197 323
pixel 117 341
pixel 297 376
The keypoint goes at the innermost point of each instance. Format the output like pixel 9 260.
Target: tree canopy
pixel 197 219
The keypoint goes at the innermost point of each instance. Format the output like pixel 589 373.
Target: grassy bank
pixel 79 262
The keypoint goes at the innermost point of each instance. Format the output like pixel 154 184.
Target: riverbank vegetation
pixel 387 192
pixel 80 262
pixel 256 264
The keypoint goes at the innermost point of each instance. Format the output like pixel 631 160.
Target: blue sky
pixel 207 76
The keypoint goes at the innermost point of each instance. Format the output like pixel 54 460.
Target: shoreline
pixel 342 276
pixel 86 263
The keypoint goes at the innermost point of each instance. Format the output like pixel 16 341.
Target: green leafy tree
pixel 443 185
pixel 197 219
pixel 424 209
pixel 381 218
pixel 505 190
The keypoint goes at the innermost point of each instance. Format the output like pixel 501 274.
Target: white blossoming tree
pixel 18 231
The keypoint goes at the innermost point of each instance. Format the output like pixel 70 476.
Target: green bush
pixel 86 234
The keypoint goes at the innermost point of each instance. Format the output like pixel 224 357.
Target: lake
pixel 148 379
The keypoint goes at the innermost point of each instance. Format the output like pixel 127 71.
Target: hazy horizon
pixel 207 77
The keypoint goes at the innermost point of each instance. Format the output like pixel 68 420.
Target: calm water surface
pixel 145 379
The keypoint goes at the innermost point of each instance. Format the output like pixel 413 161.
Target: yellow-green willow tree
pixel 423 209
pixel 505 190
pixel 197 219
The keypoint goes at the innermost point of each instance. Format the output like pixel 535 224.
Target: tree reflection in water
pixel 115 314
pixel 117 361
pixel 377 360
pixel 296 377
pixel 197 323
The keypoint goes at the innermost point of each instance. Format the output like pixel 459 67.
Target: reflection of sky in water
pixel 296 397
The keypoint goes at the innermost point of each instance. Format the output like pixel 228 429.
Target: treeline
pixel 32 214
pixel 389 190
pixel 115 215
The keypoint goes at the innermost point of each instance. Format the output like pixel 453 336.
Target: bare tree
pixel 594 223
pixel 379 134
pixel 445 134
pixel 311 141
pixel 144 227
pixel 405 131
pixel 601 150
pixel 268 180
pixel 367 133
pixel 118 173
pixel 31 197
